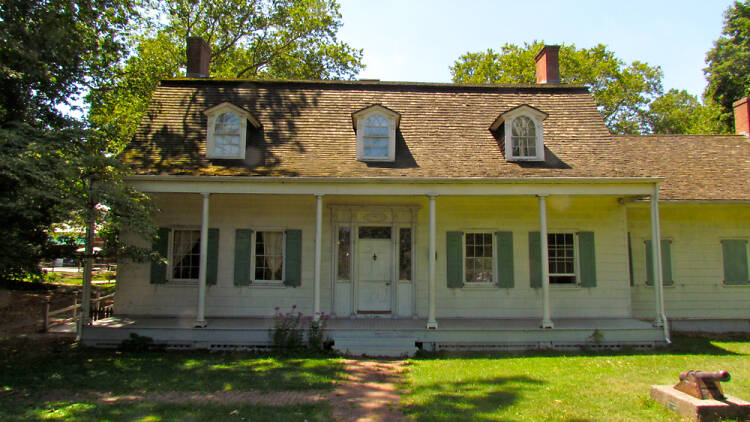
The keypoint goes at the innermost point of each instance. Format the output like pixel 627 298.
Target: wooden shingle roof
pixel 443 133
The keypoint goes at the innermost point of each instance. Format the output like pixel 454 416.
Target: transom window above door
pixel 374 232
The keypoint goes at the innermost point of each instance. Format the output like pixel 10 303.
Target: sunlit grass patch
pixel 611 386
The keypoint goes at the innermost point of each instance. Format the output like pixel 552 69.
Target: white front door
pixel 374 265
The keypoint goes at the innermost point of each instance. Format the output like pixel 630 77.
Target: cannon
pixel 703 385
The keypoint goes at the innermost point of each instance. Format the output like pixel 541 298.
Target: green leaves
pixel 293 39
pixel 728 70
pixel 622 92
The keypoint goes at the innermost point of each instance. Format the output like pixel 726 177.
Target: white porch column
pixel 431 321
pixel 200 320
pixel 546 319
pixel 318 243
pixel 658 276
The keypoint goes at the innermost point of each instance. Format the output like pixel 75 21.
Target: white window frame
pixel 494 258
pixel 506 119
pixel 576 260
pixel 253 256
pixel 213 113
pixel 360 117
pixel 171 259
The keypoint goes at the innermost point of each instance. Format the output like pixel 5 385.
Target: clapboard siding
pixel 611 297
pixel 518 214
pixel 696 231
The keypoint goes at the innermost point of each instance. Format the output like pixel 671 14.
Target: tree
pixel 260 39
pixel 728 70
pixel 51 51
pixel 679 112
pixel 622 91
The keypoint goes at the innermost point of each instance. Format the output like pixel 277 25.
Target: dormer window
pixel 523 134
pixel 376 133
pixel 375 138
pixel 227 131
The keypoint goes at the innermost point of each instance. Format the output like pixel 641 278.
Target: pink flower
pixel 294 306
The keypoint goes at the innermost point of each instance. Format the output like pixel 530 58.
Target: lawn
pixel 565 387
pixel 32 369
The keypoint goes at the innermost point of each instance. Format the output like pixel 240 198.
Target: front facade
pixel 432 215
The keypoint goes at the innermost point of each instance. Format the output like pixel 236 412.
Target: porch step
pixel 372 344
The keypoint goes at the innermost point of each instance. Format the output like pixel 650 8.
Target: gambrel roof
pixel 443 133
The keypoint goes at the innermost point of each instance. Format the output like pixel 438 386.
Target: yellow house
pixel 428 215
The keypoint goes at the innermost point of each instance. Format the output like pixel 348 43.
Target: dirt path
pixel 370 392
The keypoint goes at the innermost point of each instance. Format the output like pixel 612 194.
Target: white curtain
pixel 184 241
pixel 272 249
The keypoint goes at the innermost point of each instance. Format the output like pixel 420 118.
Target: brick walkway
pixel 369 395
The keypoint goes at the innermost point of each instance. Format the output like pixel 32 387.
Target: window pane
pixel 478 263
pixel 404 254
pixel 186 250
pixel 227 134
pixel 376 125
pixel 561 249
pixel 374 232
pixel 269 256
pixel 344 258
pixel 523 135
pixel 375 146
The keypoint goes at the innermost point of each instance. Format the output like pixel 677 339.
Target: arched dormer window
pixel 376 133
pixel 523 133
pixel 227 131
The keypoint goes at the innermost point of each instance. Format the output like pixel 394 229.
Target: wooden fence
pixel 101 307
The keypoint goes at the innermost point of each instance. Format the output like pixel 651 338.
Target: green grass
pixel 152 412
pixel 29 369
pixel 63 365
pixel 565 387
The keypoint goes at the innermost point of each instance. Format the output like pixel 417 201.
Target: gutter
pixel 395 180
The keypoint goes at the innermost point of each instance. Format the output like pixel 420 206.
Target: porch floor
pixel 379 323
pixel 452 333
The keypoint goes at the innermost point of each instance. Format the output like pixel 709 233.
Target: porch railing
pixel 101 307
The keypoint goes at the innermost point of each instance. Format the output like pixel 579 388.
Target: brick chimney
pixel 742 116
pixel 548 65
pixel 198 56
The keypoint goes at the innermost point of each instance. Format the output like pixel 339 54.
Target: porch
pixel 385 336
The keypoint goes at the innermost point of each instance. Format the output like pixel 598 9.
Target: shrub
pixel 287 332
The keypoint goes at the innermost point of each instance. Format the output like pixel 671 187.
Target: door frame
pixel 354 216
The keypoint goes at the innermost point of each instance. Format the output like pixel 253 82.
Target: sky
pixel 418 40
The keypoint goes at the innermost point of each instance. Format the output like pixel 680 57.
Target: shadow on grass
pixel 59 364
pixel 84 412
pixel 473 400
pixel 682 344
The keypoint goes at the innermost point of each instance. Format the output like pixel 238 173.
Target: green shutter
pixel 242 243
pixel 212 267
pixel 454 259
pixel 160 245
pixel 666 263
pixel 504 259
pixel 735 261
pixel 535 259
pixel 630 260
pixel 293 258
pixel 587 259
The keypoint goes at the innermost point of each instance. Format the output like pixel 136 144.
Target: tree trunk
pixel 88 256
